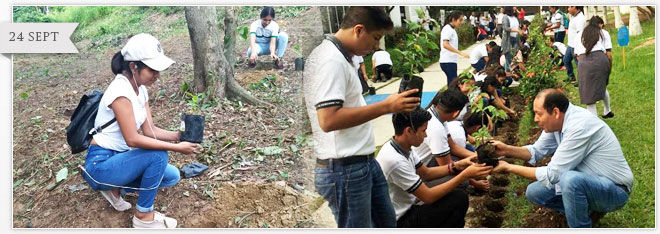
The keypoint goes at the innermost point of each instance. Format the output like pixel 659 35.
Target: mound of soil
pixel 255 205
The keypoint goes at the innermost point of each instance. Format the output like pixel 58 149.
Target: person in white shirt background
pixel 575 26
pixel 556 24
pixel 449 50
pixel 267 39
pixel 381 66
pixel 594 67
pixel 500 17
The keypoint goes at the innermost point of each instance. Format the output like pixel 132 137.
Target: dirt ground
pixel 247 188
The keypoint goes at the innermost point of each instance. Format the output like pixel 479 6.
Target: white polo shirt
pixel 599 46
pixel 513 24
pixel 558 18
pixel 457 132
pixel 500 17
pixel 111 136
pixel 478 52
pixel 575 26
pixel 607 40
pixel 436 141
pixel 331 80
pixel 400 171
pixel 381 57
pixel 264 34
pixel 448 34
pixel 560 47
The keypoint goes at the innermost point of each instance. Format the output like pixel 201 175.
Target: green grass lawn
pixel 632 93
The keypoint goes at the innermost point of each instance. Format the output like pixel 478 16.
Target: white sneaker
pixel 117 203
pixel 160 221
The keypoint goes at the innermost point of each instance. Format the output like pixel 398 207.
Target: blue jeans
pixel 581 193
pixel 450 70
pixel 280 46
pixel 568 57
pixel 357 194
pixel 480 65
pixel 138 168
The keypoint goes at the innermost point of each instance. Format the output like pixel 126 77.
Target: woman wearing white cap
pixel 121 158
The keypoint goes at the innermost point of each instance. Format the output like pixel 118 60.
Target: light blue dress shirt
pixel 585 144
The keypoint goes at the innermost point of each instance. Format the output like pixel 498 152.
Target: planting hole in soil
pixel 491 220
pixel 496 205
pixel 500 180
pixel 497 192
pixel 486 154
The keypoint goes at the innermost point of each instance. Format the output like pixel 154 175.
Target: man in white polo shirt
pixel 339 115
pixel 417 205
pixel 575 26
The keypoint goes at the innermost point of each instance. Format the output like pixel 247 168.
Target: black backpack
pixel 81 129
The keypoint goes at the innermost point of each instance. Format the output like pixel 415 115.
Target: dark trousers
pixel 559 36
pixel 384 72
pixel 363 82
pixel 450 70
pixel 480 65
pixel 447 212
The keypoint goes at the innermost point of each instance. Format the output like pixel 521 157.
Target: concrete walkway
pixel 434 80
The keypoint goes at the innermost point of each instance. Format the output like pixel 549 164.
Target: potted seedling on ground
pixel 192 124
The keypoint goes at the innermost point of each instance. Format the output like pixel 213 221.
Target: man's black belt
pixel 345 161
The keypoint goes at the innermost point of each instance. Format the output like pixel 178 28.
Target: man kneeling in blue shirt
pixel 588 172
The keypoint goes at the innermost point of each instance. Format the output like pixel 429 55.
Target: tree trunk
pixel 325 20
pixel 213 74
pixel 618 21
pixel 634 25
pixel 230 35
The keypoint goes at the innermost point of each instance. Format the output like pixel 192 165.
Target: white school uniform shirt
pixel 500 17
pixel 575 26
pixel 607 40
pixel 436 141
pixel 111 136
pixel 560 47
pixel 448 34
pixel 478 52
pixel 357 60
pixel 264 34
pixel 457 132
pixel 381 57
pixel 558 18
pixel 513 24
pixel 400 171
pixel 331 80
pixel 580 49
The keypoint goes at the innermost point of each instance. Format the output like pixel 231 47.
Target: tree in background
pixel 213 73
pixel 618 21
pixel 635 28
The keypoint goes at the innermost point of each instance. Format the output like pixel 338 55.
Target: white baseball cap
pixel 146 48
